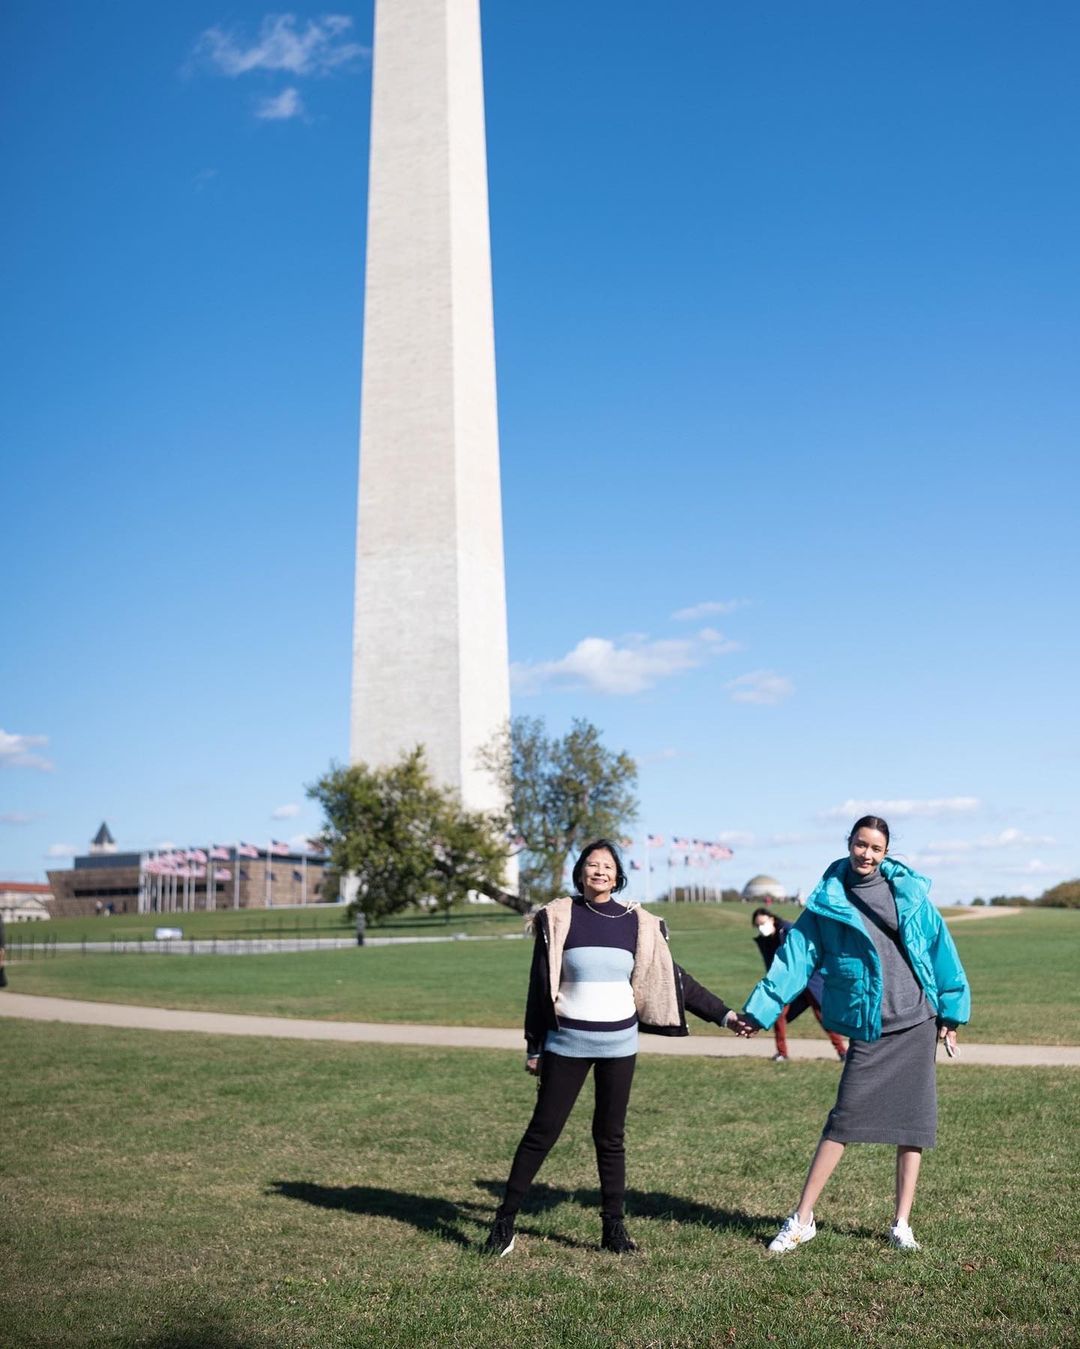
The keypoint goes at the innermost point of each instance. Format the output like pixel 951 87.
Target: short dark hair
pixel 761 913
pixel 870 822
pixel 587 851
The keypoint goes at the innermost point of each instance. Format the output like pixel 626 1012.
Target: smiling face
pixel 598 875
pixel 866 848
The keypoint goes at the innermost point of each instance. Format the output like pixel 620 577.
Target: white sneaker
pixel 793 1233
pixel 902 1237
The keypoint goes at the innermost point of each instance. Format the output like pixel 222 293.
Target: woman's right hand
pixel 532 1065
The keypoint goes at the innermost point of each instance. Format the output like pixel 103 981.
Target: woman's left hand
pixel 948 1034
pixel 743 1029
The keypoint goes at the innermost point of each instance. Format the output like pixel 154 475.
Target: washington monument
pixel 430 663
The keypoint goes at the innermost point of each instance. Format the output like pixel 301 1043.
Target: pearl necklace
pixel 601 914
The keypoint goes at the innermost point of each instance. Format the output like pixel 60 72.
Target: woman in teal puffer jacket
pixel 894 985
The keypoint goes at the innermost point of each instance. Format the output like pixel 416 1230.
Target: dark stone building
pixel 241 876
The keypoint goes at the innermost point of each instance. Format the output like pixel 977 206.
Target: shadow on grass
pixel 195 1332
pixel 645 1204
pixel 446 1219
pixel 438 1216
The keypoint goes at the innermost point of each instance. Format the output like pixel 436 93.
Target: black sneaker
pixel 501 1237
pixel 616 1238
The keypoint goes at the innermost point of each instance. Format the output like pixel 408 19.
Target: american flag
pixel 635 866
pixel 626 842
pixel 720 853
pixel 219 854
pixel 222 874
pixel 654 840
pixel 278 848
pixel 197 855
pixel 246 850
pixel 297 875
pixel 680 843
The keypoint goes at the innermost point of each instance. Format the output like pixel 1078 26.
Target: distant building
pixel 763 889
pixel 180 880
pixel 102 842
pixel 22 902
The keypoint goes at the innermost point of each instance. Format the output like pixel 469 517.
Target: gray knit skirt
pixel 888 1091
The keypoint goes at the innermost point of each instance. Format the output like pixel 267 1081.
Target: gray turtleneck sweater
pixel 903 1003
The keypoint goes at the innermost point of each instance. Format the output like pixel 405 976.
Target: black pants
pixel 561 1080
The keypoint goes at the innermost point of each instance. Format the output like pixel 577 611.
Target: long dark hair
pixel 586 852
pixel 870 822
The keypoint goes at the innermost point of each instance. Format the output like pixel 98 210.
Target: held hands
pixel 532 1065
pixel 948 1035
pixel 743 1029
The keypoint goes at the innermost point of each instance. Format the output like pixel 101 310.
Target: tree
pixel 564 792
pixel 406 839
pixel 1063 896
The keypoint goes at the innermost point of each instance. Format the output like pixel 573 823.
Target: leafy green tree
pixel 407 840
pixel 564 791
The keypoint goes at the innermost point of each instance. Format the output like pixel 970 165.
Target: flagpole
pixel 303 877
pixel 648 869
pixel 269 882
pixel 236 877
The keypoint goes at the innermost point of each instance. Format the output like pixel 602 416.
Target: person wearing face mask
pixel 601 971
pixel 893 983
pixel 770 932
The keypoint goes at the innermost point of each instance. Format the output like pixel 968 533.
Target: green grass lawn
pixel 1022 970
pixel 195 1192
pixel 313 920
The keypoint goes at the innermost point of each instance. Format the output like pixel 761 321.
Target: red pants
pixel 780 1031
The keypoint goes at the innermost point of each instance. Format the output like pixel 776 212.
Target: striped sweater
pixel 595 1007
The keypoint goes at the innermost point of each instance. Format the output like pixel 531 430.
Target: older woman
pixel 601 971
pixel 893 984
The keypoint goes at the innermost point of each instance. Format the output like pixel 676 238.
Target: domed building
pixel 763 889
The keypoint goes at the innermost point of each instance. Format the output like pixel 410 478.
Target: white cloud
pixel 61 850
pixel 14 817
pixel 287 812
pixel 660 755
pixel 287 104
pixel 933 807
pixel 17 751
pixel 1007 838
pixel 736 838
pixel 1035 867
pixel 718 644
pixel 765 687
pixel 282 45
pixel 597 663
pixel 608 667
pixel 707 609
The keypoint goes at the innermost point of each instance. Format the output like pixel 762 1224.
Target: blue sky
pixel 787 312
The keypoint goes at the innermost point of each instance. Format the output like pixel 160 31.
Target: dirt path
pixel 1001 911
pixel 123 1015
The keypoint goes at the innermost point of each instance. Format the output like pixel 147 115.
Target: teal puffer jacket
pixel 830 937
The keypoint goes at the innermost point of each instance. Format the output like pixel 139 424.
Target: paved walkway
pixel 35 1008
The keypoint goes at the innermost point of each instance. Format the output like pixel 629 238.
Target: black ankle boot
pixel 616 1238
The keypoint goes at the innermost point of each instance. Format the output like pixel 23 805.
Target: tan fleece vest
pixel 653 979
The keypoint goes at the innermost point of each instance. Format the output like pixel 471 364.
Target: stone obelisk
pixel 430 663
